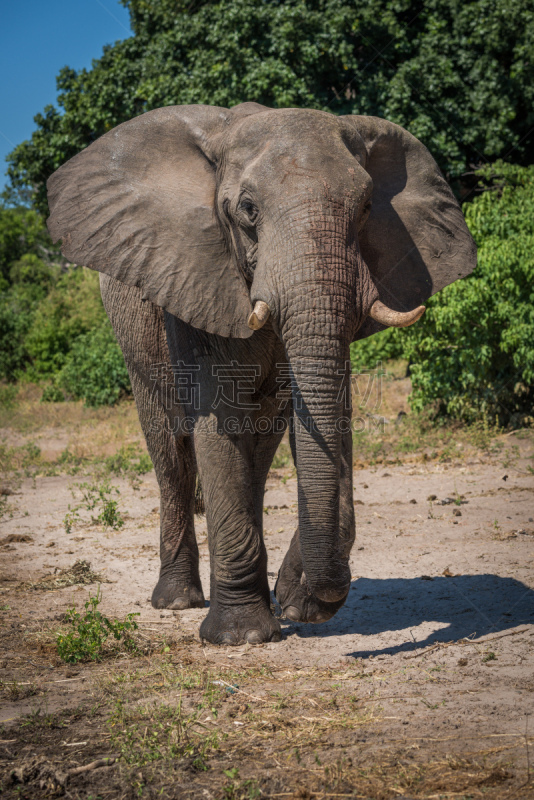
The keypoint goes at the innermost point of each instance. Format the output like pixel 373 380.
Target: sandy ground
pixel 437 635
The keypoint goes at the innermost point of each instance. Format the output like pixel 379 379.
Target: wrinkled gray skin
pixel 203 211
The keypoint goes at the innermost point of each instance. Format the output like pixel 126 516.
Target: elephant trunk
pixel 320 413
pixel 318 296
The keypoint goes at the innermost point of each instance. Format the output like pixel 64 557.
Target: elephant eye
pixel 249 209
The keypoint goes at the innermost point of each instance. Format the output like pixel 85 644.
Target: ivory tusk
pixel 259 316
pixel 394 319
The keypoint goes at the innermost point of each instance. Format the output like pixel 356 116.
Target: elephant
pixel 241 252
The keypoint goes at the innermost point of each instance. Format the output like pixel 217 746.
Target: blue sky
pixel 37 38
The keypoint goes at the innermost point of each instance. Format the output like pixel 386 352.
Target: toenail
pixel 253 637
pixel 293 613
pixel 180 604
pixel 321 616
pixel 227 638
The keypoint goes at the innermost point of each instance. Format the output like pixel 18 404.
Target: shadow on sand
pixel 443 609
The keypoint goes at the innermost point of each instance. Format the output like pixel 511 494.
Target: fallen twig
pixel 101 762
pixel 379 697
pixel 500 636
pixel 427 650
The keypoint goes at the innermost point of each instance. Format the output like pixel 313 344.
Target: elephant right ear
pixel 139 205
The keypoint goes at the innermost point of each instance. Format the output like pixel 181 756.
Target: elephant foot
pixel 177 594
pixel 292 592
pixel 240 625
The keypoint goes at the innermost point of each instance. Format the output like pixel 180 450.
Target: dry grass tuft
pixel 80 574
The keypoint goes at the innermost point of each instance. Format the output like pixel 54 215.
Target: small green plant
pixel 70 518
pixel 8 395
pixel 489 657
pixel 146 734
pixel 282 457
pixel 87 638
pixel 13 690
pixel 95 495
pixel 31 456
pixel 281 702
pixel 110 515
pixel 52 394
pixel 128 460
pixel 239 790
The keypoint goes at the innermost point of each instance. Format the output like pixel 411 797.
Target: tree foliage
pixel 458 75
pixel 22 233
pixel 53 326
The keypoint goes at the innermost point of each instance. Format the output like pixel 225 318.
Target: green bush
pixel 8 395
pixel 71 309
pixel 94 370
pixel 53 327
pixel 17 311
pixel 30 270
pixel 473 353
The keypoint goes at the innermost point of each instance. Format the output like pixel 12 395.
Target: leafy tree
pixel 459 75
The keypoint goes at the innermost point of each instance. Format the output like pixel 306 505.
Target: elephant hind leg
pixel 179 585
pixel 140 331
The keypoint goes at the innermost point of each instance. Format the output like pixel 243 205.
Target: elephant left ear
pixel 139 205
pixel 415 241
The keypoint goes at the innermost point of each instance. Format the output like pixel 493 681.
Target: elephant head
pixel 331 227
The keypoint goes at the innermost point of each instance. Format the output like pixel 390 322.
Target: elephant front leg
pixel 239 591
pixel 291 589
pixel 140 331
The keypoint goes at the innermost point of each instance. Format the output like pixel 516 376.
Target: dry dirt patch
pixel 422 686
